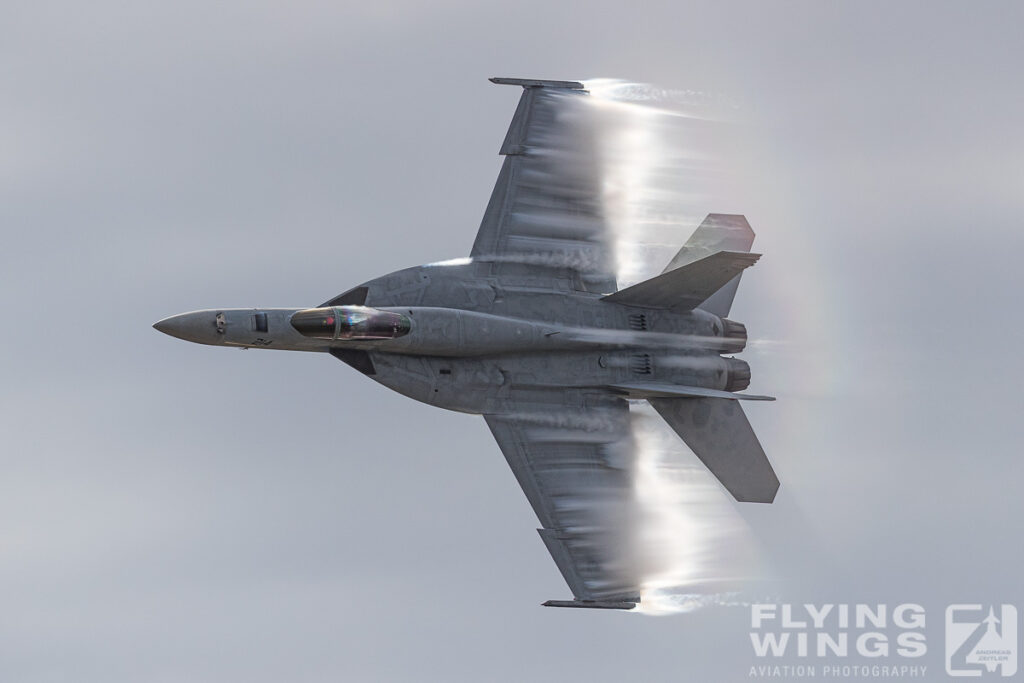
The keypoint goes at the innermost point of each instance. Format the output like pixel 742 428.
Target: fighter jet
pixel 532 332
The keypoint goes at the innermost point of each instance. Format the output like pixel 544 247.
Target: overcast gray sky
pixel 171 512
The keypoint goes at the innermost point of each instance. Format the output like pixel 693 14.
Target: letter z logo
pixel 981 641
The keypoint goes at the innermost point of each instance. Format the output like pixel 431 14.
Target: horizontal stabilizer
pixel 718 433
pixel 661 390
pixel 686 287
pixel 593 604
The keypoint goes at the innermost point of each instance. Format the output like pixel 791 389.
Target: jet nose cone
pixel 165 326
pixel 199 327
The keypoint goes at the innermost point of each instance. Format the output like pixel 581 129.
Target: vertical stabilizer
pixel 718 232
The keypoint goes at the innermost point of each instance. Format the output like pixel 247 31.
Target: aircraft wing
pixel 545 214
pixel 574 464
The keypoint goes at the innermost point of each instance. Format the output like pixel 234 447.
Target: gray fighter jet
pixel 532 332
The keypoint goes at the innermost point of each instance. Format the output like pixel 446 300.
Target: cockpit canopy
pixel 350 323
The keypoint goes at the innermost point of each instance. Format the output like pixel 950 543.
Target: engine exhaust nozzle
pixel 739 375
